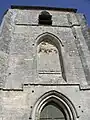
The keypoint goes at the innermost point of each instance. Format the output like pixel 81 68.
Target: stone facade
pixel 44 61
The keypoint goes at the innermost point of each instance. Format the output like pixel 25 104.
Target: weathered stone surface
pixel 26 73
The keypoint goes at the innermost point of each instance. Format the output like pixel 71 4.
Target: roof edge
pixel 44 8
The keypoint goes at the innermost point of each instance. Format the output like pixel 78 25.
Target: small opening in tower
pixel 45 18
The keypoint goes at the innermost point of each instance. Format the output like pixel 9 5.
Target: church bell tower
pixel 44 64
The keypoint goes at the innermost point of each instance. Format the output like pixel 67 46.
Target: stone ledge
pixel 81 88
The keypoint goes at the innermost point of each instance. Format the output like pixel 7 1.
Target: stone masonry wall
pixel 20 83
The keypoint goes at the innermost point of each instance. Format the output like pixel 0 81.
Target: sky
pixel 83 6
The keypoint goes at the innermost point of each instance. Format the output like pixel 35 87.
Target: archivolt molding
pixel 50 36
pixel 61 100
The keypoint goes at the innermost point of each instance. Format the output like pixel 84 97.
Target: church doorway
pixel 52 111
pixel 54 106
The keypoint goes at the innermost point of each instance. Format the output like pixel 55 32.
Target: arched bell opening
pixel 45 18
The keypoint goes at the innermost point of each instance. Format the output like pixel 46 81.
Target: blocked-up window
pixel 48 57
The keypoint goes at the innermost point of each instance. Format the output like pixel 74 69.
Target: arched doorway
pixel 52 111
pixel 54 106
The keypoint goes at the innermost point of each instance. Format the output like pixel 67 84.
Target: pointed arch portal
pixel 54 106
pixel 52 111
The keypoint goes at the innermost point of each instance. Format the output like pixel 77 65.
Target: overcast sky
pixel 83 6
